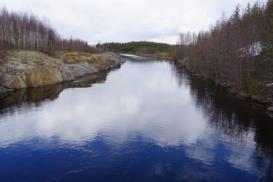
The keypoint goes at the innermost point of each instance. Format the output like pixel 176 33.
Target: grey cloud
pixel 125 20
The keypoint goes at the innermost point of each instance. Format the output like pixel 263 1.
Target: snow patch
pixel 254 49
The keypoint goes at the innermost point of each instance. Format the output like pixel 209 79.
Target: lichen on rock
pixel 23 69
pixel 41 76
pixel 16 81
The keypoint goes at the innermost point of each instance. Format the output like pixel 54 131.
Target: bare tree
pixel 24 31
pixel 223 53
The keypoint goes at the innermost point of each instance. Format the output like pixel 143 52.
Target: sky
pixel 126 20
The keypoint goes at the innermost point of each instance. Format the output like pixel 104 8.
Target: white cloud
pixel 116 112
pixel 125 20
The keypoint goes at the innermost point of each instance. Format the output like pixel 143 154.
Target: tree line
pixel 27 32
pixel 141 47
pixel 236 52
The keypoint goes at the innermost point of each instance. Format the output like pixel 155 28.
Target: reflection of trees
pixel 233 116
pixel 36 96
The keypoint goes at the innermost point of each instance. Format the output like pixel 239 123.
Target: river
pixel 146 121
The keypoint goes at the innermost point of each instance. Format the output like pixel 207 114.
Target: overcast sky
pixel 126 20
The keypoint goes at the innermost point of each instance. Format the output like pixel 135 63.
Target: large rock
pixel 67 74
pixel 23 69
pixel 99 63
pixel 16 81
pixel 80 70
pixel 41 76
pixel 105 61
pixel 112 58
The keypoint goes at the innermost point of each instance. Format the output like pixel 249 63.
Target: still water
pixel 146 121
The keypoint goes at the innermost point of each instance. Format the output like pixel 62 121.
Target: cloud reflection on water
pixel 140 100
pixel 134 100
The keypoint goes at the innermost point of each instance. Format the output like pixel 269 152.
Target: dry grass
pixel 75 57
pixel 94 60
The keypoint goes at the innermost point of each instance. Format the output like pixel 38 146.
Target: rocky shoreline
pixel 29 69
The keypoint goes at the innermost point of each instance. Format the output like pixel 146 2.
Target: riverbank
pixel 262 93
pixel 137 57
pixel 162 56
pixel 143 48
pixel 28 69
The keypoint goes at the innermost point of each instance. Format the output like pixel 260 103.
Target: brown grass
pixel 75 57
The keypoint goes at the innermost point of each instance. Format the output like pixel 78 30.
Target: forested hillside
pixel 142 47
pixel 27 32
pixel 237 52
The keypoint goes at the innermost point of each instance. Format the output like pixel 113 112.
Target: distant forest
pixel 25 31
pixel 236 52
pixel 142 47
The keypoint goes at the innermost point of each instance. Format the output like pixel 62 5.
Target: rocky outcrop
pixel 38 95
pixel 42 75
pixel 23 69
pixel 15 81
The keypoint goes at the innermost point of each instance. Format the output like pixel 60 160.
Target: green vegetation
pixel 140 48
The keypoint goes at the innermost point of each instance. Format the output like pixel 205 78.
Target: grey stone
pixel 270 109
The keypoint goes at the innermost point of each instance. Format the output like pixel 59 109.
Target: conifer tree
pixel 268 38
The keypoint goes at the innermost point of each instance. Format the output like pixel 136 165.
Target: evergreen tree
pixel 268 38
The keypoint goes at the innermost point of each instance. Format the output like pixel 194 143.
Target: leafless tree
pixel 223 53
pixel 26 31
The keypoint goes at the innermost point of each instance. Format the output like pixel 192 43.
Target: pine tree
pixel 236 14
pixel 268 38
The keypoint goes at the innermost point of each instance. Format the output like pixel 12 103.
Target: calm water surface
pixel 144 122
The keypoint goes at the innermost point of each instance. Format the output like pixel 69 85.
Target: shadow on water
pixel 236 122
pixel 36 96
pixel 233 116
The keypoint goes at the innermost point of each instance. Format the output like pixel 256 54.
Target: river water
pixel 146 121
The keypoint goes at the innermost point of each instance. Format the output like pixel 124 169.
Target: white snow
pixel 254 49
